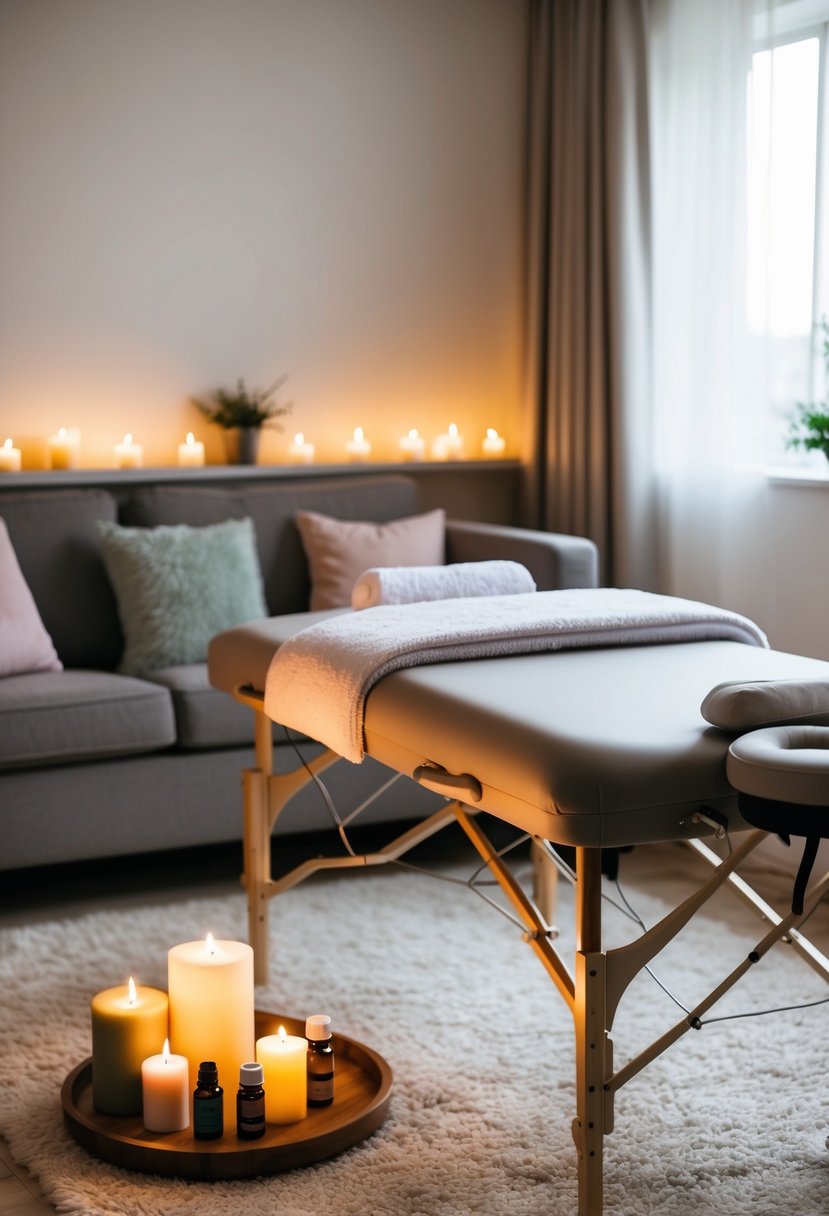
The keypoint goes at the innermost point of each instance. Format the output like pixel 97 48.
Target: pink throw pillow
pixel 24 643
pixel 339 550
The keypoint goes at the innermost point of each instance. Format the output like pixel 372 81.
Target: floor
pixel 75 890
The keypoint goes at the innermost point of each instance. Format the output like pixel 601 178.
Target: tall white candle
pixel 65 448
pixel 493 443
pixel 128 455
pixel 191 452
pixel 165 1084
pixel 210 984
pixel 448 446
pixel 301 451
pixel 412 445
pixel 284 1057
pixel 10 458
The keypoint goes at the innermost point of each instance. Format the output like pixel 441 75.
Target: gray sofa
pixel 97 764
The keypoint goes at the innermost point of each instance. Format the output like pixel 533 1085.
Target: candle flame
pixel 133 996
pixel 211 945
pixel 282 1035
pixel 61 432
pixel 358 434
pixel 413 433
pixel 453 430
pixel 491 432
pixel 190 440
pixel 8 444
pixel 299 439
pixel 165 1051
pixel 128 439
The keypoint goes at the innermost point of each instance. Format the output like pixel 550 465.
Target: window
pixel 788 213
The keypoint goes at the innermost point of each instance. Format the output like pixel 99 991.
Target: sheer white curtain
pixel 708 430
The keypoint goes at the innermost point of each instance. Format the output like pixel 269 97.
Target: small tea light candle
pixel 10 458
pixel 301 451
pixel 128 455
pixel 165 1085
pixel 191 452
pixel 448 446
pixel 493 444
pixel 412 445
pixel 359 447
pixel 284 1058
pixel 128 1023
pixel 65 448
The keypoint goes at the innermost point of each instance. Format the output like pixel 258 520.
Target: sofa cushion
pixel 177 586
pixel 54 538
pixel 205 717
pixel 24 643
pixel 273 508
pixel 339 551
pixel 53 717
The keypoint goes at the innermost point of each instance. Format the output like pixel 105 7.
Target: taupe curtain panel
pixel 587 371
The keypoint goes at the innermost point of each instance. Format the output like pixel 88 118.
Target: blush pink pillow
pixel 339 550
pixel 24 643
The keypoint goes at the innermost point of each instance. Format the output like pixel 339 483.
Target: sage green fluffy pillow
pixel 177 586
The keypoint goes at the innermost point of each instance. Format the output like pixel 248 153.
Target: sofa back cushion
pixel 54 539
pixel 273 509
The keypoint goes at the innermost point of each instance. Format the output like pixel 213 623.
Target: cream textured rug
pixel 732 1120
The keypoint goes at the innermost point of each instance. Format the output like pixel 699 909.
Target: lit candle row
pixel 147 1046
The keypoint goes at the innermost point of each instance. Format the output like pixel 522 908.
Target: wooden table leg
pixel 592 1041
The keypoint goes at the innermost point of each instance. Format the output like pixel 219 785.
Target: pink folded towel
pixel 417 584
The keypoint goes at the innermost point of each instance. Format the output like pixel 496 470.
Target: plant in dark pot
pixel 809 426
pixel 242 413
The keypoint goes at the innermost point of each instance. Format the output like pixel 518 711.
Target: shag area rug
pixel 731 1120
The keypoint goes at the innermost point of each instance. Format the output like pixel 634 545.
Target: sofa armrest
pixel 554 560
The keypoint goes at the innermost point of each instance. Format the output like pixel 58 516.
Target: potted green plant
pixel 809 425
pixel 242 413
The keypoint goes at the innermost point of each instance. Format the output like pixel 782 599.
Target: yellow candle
pixel 301 451
pixel 128 455
pixel 64 448
pixel 359 447
pixel 284 1058
pixel 493 444
pixel 165 1085
pixel 191 452
pixel 10 458
pixel 128 1023
pixel 412 445
pixel 211 1009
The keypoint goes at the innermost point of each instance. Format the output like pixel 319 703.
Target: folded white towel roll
pixel 416 584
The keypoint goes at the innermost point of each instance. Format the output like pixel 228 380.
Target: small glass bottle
pixel 320 1060
pixel 250 1102
pixel 208 1103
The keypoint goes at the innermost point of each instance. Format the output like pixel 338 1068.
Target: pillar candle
pixel 65 448
pixel 359 447
pixel 128 1023
pixel 448 446
pixel 284 1057
pixel 301 451
pixel 412 445
pixel 165 1086
pixel 128 455
pixel 10 458
pixel 211 1009
pixel 493 443
pixel 191 452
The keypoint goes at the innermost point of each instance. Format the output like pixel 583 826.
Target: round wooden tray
pixel 363 1083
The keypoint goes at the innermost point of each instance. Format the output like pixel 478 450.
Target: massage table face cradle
pixel 595 985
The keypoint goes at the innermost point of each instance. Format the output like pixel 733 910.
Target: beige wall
pixel 193 190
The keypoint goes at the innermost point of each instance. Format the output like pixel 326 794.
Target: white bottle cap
pixel 251 1074
pixel 318 1026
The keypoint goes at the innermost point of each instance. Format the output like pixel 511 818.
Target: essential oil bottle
pixel 320 1060
pixel 250 1102
pixel 208 1099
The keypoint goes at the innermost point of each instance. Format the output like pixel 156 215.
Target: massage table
pixel 592 748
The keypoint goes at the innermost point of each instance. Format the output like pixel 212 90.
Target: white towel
pixel 318 681
pixel 417 584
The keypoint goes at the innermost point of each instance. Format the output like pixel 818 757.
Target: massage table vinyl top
pixel 596 747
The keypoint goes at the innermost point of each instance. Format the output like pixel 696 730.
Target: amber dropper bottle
pixel 320 1060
